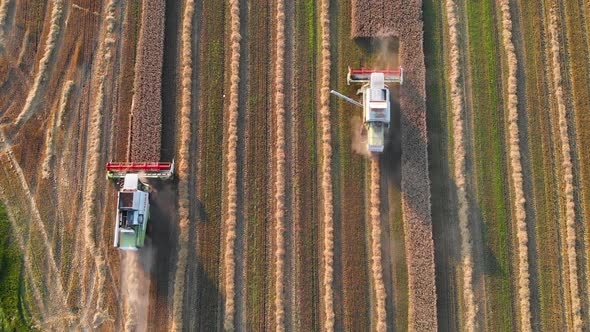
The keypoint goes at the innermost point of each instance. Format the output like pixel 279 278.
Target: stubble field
pixel 475 217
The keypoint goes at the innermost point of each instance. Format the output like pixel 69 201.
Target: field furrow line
pixel 3 17
pixel 232 168
pixel 183 162
pixel 280 158
pixel 516 168
pixel 376 257
pixel 94 170
pixel 566 164
pixel 46 168
pixel 326 168
pixel 43 71
pixel 460 165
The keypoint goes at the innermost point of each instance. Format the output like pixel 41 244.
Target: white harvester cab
pixel 133 201
pixel 133 211
pixel 376 102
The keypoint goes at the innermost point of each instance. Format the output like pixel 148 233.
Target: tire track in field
pixel 290 289
pixel 566 164
pixel 232 168
pixel 326 169
pixel 280 159
pixel 460 165
pixel 183 162
pixel 524 293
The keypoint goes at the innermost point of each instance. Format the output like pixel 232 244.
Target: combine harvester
pixel 133 202
pixel 375 102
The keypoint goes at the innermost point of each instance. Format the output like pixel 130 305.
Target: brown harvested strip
pixel 326 168
pixel 280 168
pixel 376 259
pixel 459 166
pixel 232 169
pixel 183 162
pixel 146 113
pixel 566 165
pixel 524 292
pixel 41 78
pixel 3 15
pixel 93 167
pixel 50 142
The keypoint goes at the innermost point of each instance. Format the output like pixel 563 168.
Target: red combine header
pixel 364 75
pixel 154 170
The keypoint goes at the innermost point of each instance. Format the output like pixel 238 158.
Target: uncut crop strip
pixel 326 168
pixel 41 78
pixel 566 164
pixel 146 114
pixel 183 162
pixel 57 120
pixel 279 168
pixel 459 166
pixel 516 167
pixel 232 168
pixel 376 259
pixel 93 170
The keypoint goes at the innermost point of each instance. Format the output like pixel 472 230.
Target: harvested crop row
pixel 93 169
pixel 41 78
pixel 516 166
pixel 279 168
pixel 183 162
pixel 232 168
pixel 566 165
pixel 50 141
pixel 3 16
pixel 146 113
pixel 326 168
pixel 460 164
pixel 376 259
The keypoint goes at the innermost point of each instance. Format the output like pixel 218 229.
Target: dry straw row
pixel 186 68
pixel 42 76
pixel 566 166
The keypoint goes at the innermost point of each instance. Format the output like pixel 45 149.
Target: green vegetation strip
pixel 490 166
pixel 211 131
pixel 13 314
